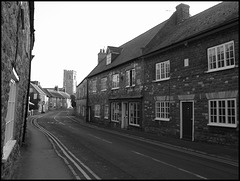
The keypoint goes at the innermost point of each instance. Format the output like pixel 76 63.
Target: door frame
pixel 181 118
pixel 124 123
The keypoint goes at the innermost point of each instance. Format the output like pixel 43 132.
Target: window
pixel 9 141
pixel 10 112
pixel 97 111
pixel 221 56
pixel 104 84
pixel 108 59
pixel 163 70
pixel 134 113
pixel 222 112
pixel 162 110
pixel 186 62
pixel 115 81
pixel 115 109
pixel 130 78
pixel 106 111
pixel 94 86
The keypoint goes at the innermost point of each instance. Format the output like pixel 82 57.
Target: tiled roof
pixel 164 34
pixel 64 94
pixel 206 20
pixel 45 91
pixel 130 50
pixel 58 94
pixel 37 89
pixel 114 49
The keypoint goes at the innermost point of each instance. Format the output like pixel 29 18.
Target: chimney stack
pixel 101 55
pixel 56 88
pixel 182 12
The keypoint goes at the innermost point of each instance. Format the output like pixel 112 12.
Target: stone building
pixel 178 79
pixel 70 81
pixel 81 100
pixel 17 37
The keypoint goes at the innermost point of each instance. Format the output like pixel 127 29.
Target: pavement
pixel 39 160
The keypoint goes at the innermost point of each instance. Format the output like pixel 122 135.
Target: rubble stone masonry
pixel 15 53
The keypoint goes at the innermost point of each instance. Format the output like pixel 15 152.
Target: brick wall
pixel 102 97
pixel 15 53
pixel 195 81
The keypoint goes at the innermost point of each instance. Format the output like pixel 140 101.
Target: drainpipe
pixel 87 112
pixel 27 102
pixel 32 40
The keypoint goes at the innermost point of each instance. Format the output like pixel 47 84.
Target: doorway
pixel 124 124
pixel 187 120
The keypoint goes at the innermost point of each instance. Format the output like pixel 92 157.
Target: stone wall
pixel 192 81
pixel 15 53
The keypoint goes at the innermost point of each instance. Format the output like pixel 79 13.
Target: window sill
pixel 161 119
pixel 7 149
pixel 130 86
pixel 220 69
pixel 161 80
pixel 97 116
pixel 115 88
pixel 103 90
pixel 223 125
pixel 115 121
pixel 105 117
pixel 137 125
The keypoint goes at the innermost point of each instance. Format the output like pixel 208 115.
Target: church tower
pixel 70 81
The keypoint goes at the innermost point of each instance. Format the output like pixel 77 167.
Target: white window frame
pixel 162 110
pixel 9 141
pixel 162 71
pixel 130 78
pixel 115 109
pixel 97 110
pixel 94 86
pixel 134 114
pixel 217 113
pixel 106 111
pixel 215 60
pixel 108 58
pixel 115 81
pixel 104 84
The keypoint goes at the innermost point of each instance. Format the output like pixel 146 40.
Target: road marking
pixel 168 146
pixel 66 152
pixel 57 120
pixel 100 139
pixel 169 165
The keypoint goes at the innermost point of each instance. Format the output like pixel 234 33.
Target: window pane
pixel 220 56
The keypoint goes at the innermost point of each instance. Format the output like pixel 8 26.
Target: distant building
pixel 70 81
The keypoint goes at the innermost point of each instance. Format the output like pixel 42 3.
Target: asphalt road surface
pixel 96 153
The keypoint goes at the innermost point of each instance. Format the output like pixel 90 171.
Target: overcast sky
pixel 69 35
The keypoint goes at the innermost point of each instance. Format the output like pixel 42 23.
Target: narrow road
pixel 95 153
